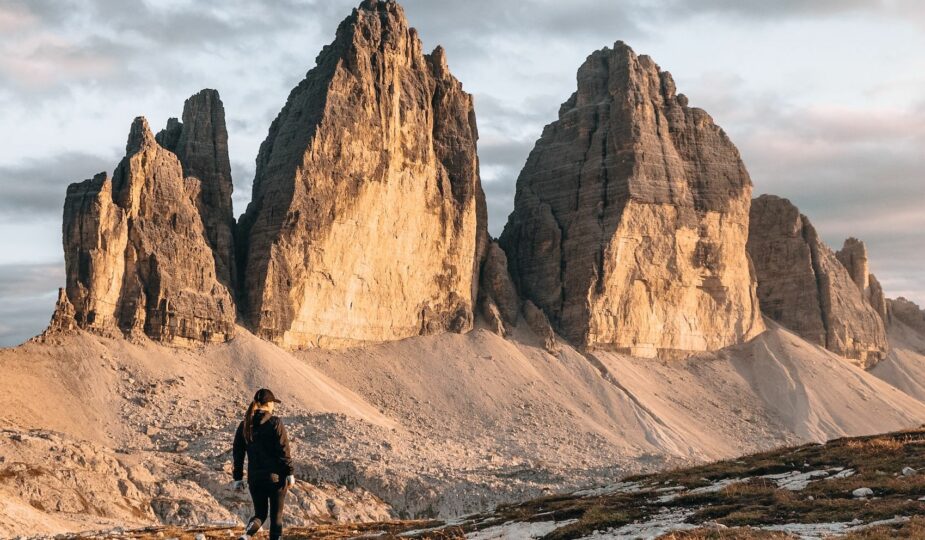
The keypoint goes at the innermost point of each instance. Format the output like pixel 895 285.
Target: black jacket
pixel 267 455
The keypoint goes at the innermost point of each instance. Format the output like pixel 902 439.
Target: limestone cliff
pixel 498 300
pixel 908 313
pixel 137 256
pixel 201 144
pixel 631 217
pixel 803 285
pixel 853 256
pixel 367 220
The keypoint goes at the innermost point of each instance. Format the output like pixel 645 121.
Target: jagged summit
pixel 136 255
pixel 367 219
pixel 806 287
pixel 631 217
pixel 200 141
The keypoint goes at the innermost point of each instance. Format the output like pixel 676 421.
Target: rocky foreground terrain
pixel 853 488
pixel 104 432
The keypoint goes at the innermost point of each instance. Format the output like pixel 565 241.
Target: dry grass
pixel 742 506
pixel 913 529
pixel 736 533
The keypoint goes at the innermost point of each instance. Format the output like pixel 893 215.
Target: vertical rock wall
pixel 803 285
pixel 631 218
pixel 139 257
pixel 367 221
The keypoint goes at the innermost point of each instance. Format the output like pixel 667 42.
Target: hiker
pixel 263 439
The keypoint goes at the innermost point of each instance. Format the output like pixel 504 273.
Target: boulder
pixel 803 285
pixel 367 221
pixel 631 217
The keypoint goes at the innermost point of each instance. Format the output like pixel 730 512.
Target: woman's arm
pixel 238 451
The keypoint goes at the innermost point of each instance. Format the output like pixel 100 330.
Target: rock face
pixel 853 256
pixel 201 144
pixel 136 251
pixel 367 221
pixel 631 218
pixel 908 313
pixel 804 286
pixel 498 300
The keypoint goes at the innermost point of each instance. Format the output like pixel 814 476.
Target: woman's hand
pixel 290 481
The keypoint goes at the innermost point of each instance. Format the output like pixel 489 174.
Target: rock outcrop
pixel 853 256
pixel 804 286
pixel 631 218
pixel 367 220
pixel 498 300
pixel 908 313
pixel 137 255
pixel 201 144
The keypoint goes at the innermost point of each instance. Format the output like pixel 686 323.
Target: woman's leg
pixel 261 499
pixel 277 501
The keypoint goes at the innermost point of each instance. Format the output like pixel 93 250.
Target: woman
pixel 263 439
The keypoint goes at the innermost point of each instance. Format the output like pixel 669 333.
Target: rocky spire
pixel 136 255
pixel 853 256
pixel 631 216
pixel 804 286
pixel 367 219
pixel 200 141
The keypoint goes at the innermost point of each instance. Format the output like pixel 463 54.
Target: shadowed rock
pixel 498 300
pixel 631 216
pixel 136 253
pixel 908 313
pixel 803 284
pixel 853 256
pixel 367 221
pixel 201 144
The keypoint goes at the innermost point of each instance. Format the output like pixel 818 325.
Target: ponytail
pixel 249 422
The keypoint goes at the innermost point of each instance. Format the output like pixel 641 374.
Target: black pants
pixel 269 498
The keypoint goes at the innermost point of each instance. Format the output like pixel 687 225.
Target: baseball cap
pixel 264 395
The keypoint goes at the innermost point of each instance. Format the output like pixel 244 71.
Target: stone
pixel 862 493
pixel 908 313
pixel 877 299
pixel 631 217
pixel 908 471
pixel 201 144
pixel 367 221
pixel 137 260
pixel 492 316
pixel 853 257
pixel 63 318
pixel 539 323
pixel 497 293
pixel 804 286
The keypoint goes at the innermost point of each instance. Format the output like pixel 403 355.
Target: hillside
pixel 851 488
pixel 103 432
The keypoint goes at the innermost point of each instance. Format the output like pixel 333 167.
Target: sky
pixel 825 100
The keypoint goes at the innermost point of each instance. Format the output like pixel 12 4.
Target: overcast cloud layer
pixel 824 98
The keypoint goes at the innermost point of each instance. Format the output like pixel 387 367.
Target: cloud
pixel 29 292
pixel 854 171
pixel 36 187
